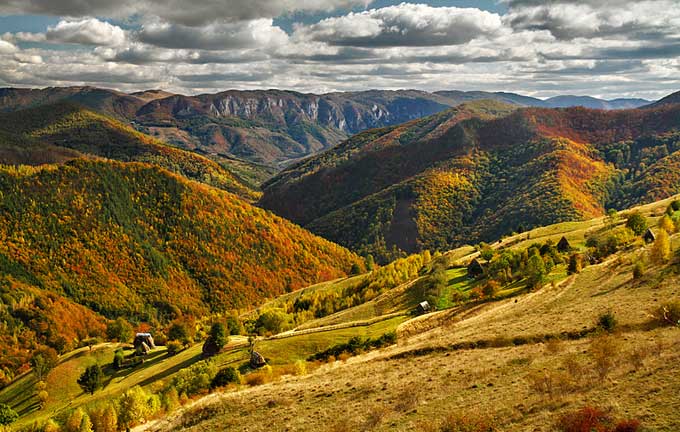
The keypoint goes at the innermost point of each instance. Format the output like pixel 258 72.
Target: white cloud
pixel 216 36
pixel 7 47
pixel 587 19
pixel 186 12
pixel 88 31
pixel 405 24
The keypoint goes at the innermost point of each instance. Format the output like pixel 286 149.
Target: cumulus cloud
pixel 216 36
pixel 89 31
pixel 602 47
pixel 405 24
pixel 7 47
pixel 185 12
pixel 586 19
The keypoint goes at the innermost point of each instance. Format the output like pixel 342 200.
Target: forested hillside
pixel 477 172
pixel 90 240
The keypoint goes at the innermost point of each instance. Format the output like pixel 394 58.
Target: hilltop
pixel 477 172
pixel 64 131
pixel 90 240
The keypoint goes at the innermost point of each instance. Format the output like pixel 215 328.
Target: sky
pixel 601 48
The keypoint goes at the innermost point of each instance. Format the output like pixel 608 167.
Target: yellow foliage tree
pixel 661 250
pixel 667 224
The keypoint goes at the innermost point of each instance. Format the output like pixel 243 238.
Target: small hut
pixel 143 343
pixel 649 236
pixel 423 307
pixel 475 269
pixel 563 245
pixel 257 360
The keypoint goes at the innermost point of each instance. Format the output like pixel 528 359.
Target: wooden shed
pixel 143 343
pixel 563 245
pixel 475 269
pixel 423 307
pixel 257 360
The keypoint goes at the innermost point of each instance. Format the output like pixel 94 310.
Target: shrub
pixel 467 422
pixel 638 269
pixel 604 351
pixel 7 415
pixel 195 379
pixel 607 322
pixel 174 347
pixel 575 263
pixel 118 359
pixel 224 377
pixel 170 399
pixel 637 223
pixel 587 419
pixel 666 224
pixel 591 419
pixel 262 376
pixel 178 331
pixel 668 314
pixel 490 289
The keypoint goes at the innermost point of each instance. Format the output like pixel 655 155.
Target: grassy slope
pixel 378 386
pixel 379 390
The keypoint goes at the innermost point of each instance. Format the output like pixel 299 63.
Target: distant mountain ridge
pixel 272 127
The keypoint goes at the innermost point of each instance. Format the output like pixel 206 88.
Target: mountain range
pixel 271 127
pixel 479 171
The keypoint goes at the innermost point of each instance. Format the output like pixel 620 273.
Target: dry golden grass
pixel 521 381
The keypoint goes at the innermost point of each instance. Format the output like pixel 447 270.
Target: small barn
pixel 143 343
pixel 257 360
pixel 423 307
pixel 563 245
pixel 475 269
pixel 649 236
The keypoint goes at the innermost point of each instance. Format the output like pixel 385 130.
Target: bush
pixel 195 379
pixel 637 223
pixel 224 377
pixel 7 415
pixel 119 359
pixel 607 322
pixel 467 422
pixel 174 347
pixel 262 376
pixel 575 263
pixel 590 419
pixel 638 269
pixel 668 314
pixel 605 351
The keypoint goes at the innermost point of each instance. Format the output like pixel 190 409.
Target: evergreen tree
pixel 91 380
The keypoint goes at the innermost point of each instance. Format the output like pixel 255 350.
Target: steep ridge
pixel 477 172
pixel 272 127
pixel 63 131
pixel 103 239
